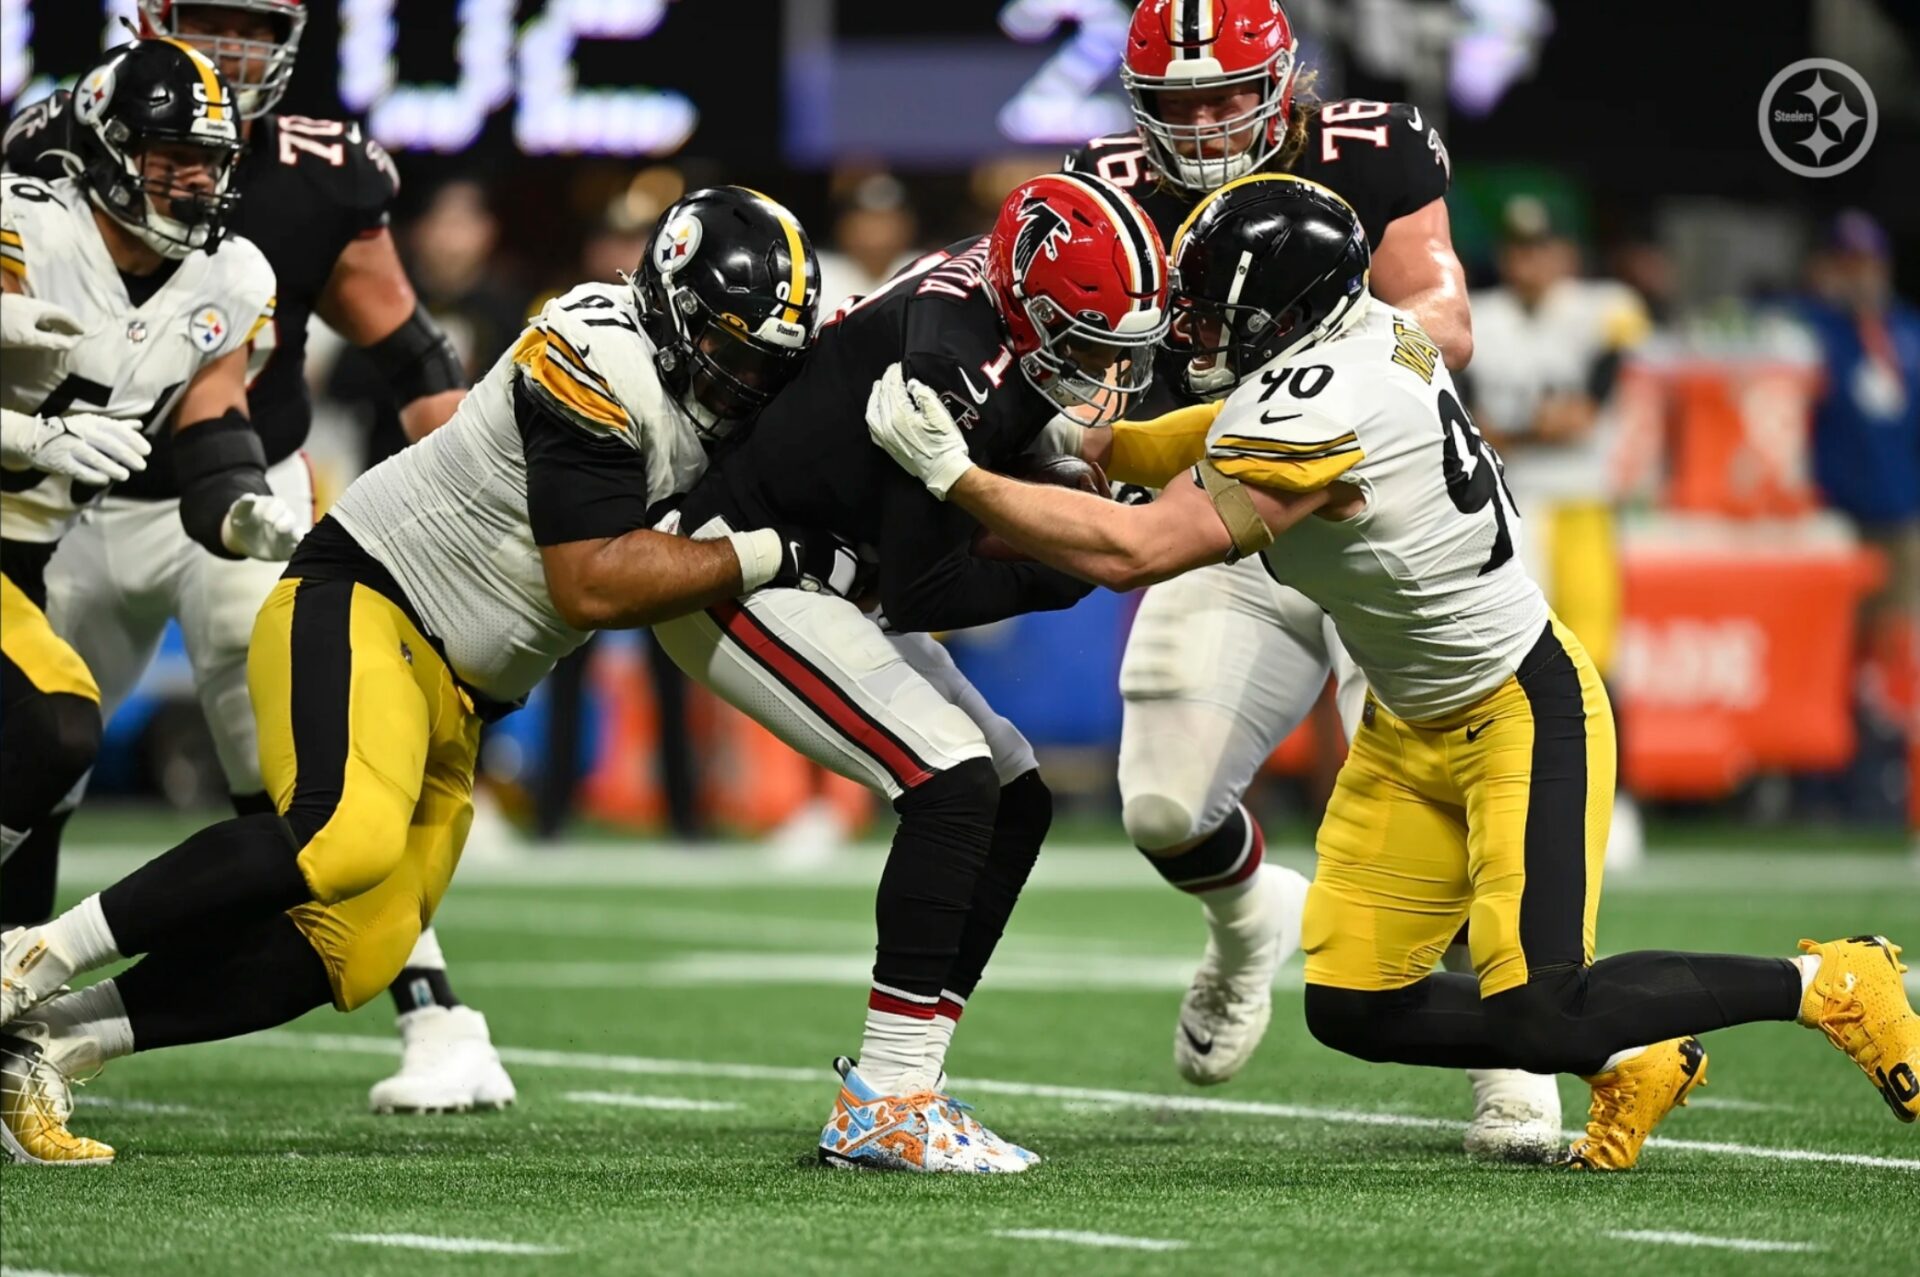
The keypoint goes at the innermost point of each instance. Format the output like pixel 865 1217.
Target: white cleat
pixel 1227 1007
pixel 1516 1117
pixel 31 971
pixel 447 1065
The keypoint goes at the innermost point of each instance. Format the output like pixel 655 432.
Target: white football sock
pixel 85 1029
pixel 893 1053
pixel 1618 1058
pixel 426 953
pixel 82 936
pixel 1240 916
pixel 1809 964
pixel 940 1033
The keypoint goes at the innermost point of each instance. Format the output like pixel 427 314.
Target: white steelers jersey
pixel 448 515
pixel 1425 585
pixel 133 361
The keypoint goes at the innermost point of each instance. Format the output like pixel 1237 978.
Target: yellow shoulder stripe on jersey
pixel 797 285
pixel 209 79
pixel 266 317
pixel 1278 448
pixel 1626 325
pixel 1153 452
pixel 536 356
pixel 13 266
pixel 1180 235
pixel 10 237
pixel 559 347
pixel 1290 475
pixel 13 254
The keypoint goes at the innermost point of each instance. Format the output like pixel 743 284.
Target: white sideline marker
pixel 451 1245
pixel 7 1270
pixel 1112 1241
pixel 628 1100
pixel 1717 1243
pixel 368 1044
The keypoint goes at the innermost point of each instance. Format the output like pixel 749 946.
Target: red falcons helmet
pixel 257 69
pixel 1078 272
pixel 1217 46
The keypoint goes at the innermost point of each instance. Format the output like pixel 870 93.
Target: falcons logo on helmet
pixel 1041 227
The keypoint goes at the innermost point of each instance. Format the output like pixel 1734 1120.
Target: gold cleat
pixel 1631 1099
pixel 1858 1000
pixel 35 1103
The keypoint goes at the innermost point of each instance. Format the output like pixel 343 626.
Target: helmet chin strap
pixel 1208 175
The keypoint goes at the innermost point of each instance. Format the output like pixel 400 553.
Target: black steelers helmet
pixel 1264 265
pixel 138 109
pixel 729 293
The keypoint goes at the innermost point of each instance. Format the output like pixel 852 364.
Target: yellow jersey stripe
pixel 1279 448
pixel 13 267
pixel 566 351
pixel 209 79
pixel 1289 475
pixel 1179 236
pixel 577 397
pixel 10 237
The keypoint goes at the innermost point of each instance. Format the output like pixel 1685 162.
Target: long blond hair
pixel 1306 105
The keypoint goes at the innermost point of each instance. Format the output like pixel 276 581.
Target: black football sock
pixel 268 975
pixel 417 988
pixel 256 803
pixel 224 878
pixel 1228 856
pixel 1019 827
pixel 1563 1020
pixel 30 874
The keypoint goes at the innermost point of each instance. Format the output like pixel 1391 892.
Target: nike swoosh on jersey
pixel 1204 1048
pixel 1274 418
pixel 1417 124
pixel 979 395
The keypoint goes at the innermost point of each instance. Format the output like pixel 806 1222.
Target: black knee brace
pixel 1025 815
pixel 966 793
pixel 51 742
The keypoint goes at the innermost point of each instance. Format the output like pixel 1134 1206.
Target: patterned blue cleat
pixel 921 1132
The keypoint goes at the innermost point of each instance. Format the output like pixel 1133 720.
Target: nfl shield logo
pixel 137 331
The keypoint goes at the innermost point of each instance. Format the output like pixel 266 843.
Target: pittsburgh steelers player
pixel 1059 308
pixel 1223 664
pixel 1480 780
pixel 141 304
pixel 440 589
pixel 314 197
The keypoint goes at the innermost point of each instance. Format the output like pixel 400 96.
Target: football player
pixel 1222 665
pixel 1059 308
pixel 314 196
pixel 1480 779
pixel 440 589
pixel 127 296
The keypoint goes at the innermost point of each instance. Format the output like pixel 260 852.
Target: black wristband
pixel 417 359
pixel 216 463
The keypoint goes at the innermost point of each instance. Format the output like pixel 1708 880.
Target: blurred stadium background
pixel 1765 659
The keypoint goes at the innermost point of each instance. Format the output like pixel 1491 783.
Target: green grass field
pixel 669 1018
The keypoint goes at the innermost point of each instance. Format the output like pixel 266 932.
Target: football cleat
pixel 447 1065
pixel 1858 1000
pixel 870 1131
pixel 1630 1099
pixel 35 1104
pixel 31 971
pixel 1516 1117
pixel 960 1114
pixel 1227 1007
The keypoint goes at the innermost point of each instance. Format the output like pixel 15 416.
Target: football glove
pixel 93 449
pixel 908 421
pixel 821 563
pixel 28 323
pixel 261 526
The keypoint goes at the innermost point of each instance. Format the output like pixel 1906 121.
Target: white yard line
pixel 1112 1241
pixel 1735 1106
pixel 7 1270
pixel 451 1245
pixel 655 1067
pixel 137 1106
pixel 1717 1243
pixel 853 970
pixel 671 1103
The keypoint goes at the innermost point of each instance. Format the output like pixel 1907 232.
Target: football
pixel 1060 469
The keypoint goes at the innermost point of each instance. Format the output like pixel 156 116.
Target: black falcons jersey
pixel 308 188
pixel 808 460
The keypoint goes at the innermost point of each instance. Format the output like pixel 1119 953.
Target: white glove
pixel 80 445
pixel 27 323
pixel 907 419
pixel 261 527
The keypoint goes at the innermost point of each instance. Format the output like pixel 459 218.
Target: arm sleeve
pixel 582 485
pixel 1150 453
pixel 930 578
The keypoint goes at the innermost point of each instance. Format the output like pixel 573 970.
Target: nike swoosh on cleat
pixel 861 1119
pixel 1204 1048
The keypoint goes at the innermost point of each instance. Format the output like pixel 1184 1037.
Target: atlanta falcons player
pixel 1223 663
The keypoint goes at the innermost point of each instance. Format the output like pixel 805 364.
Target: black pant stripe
pixel 320 652
pixel 1553 900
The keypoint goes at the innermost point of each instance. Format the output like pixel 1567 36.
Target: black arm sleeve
pixel 930 578
pixel 580 486
pixel 1602 375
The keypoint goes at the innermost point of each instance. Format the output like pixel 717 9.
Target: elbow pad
pixel 417 359
pixel 216 463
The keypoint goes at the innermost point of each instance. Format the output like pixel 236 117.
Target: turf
pixel 634 973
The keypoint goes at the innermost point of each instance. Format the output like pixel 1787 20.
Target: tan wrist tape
pixel 1230 501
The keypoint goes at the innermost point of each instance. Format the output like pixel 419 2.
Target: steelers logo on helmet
pixel 676 244
pixel 208 327
pixel 91 95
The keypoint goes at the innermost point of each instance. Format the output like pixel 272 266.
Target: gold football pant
pixel 367 747
pixel 49 725
pixel 1495 816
